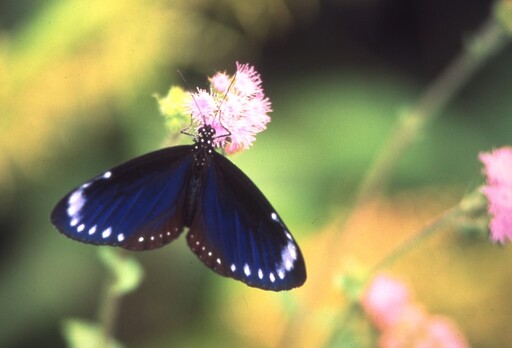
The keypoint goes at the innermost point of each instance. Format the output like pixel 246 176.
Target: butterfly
pixel 148 201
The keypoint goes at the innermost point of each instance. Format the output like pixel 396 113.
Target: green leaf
pixel 172 107
pixel 127 271
pixel 82 334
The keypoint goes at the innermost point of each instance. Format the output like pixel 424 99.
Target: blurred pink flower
pixel 220 82
pixel 235 107
pixel 406 328
pixel 440 331
pixel 385 300
pixel 498 170
pixel 403 322
pixel 421 330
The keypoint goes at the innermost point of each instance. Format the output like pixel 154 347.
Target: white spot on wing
pixel 92 229
pixel 75 203
pixel 233 267
pixel 74 222
pixel 107 175
pixel 247 270
pixel 288 258
pixel 260 274
pixel 80 228
pixel 141 239
pixel 218 261
pixel 75 196
pixel 272 277
pixel 273 216
pixel 106 233
pixel 120 237
pixel 292 251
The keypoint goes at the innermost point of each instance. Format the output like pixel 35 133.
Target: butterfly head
pixel 206 132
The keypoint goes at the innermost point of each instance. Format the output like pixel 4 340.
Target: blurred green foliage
pixel 82 334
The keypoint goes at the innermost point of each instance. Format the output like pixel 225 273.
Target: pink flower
pixel 403 322
pixel 420 330
pixel 440 331
pixel 498 170
pixel 385 301
pixel 406 329
pixel 236 107
pixel 220 82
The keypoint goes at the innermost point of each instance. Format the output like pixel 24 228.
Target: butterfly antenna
pixel 220 105
pixel 184 131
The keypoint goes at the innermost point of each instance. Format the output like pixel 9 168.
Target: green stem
pixel 109 307
pixel 344 319
pixel 125 275
pixel 108 314
pixel 473 205
pixel 444 220
pixel 487 41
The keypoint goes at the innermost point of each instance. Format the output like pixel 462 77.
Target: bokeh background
pixel 77 81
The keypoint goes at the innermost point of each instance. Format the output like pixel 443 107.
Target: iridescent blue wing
pixel 237 233
pixel 137 205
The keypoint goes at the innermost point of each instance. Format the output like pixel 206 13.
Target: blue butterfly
pixel 147 202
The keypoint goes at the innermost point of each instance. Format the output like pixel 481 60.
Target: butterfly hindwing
pixel 238 234
pixel 136 205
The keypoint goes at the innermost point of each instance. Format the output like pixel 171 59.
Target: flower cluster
pixel 498 170
pixel 403 322
pixel 235 106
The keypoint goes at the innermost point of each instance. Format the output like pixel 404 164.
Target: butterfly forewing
pixel 137 205
pixel 238 234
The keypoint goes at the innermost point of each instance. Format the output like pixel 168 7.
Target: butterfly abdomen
pixel 193 195
pixel 203 151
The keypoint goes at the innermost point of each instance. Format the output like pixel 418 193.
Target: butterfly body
pixel 147 202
